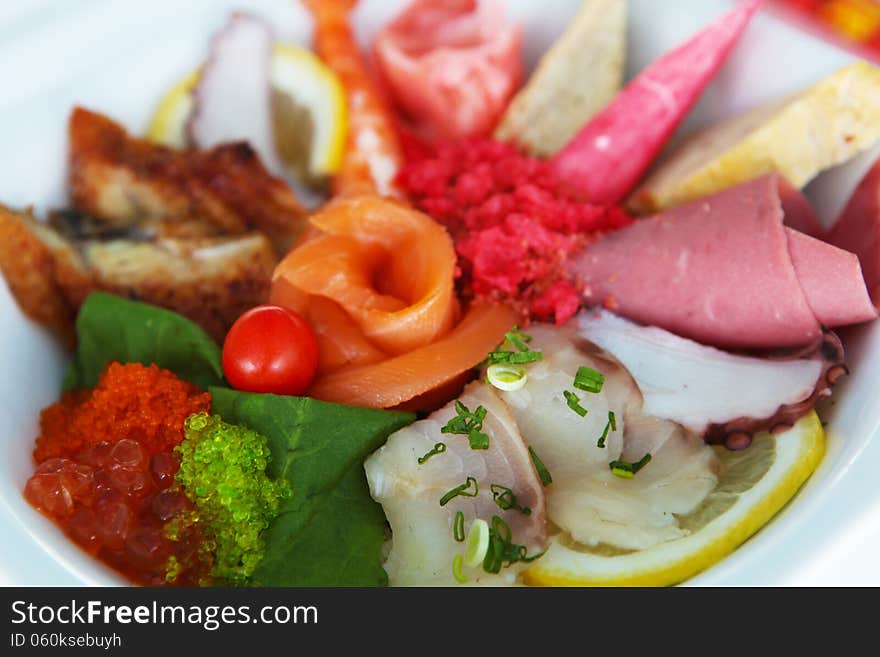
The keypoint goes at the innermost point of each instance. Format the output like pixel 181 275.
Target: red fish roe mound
pixel 513 228
pixel 106 474
pixel 134 401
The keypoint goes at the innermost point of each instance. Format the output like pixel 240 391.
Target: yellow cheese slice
pixel 798 137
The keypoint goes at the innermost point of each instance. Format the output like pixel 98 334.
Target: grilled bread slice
pixel 120 179
pixel 211 280
pixel 29 264
pixel 577 77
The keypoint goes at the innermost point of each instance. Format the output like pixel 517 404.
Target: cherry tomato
pixel 270 349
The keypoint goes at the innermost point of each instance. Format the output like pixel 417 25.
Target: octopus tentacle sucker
pixel 725 397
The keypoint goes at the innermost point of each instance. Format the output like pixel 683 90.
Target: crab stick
pixel 608 156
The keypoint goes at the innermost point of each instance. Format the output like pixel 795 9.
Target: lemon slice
pixel 168 125
pixel 310 116
pixel 755 484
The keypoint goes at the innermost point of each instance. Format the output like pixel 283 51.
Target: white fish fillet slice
pixel 423 545
pixel 585 499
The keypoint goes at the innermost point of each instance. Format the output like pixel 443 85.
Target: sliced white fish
pixel 586 500
pixel 423 544
pixel 233 99
pixel 540 407
pixel 630 514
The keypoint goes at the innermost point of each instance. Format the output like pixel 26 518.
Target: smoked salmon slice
pixel 375 279
pixel 340 341
pixel 397 380
pixel 391 268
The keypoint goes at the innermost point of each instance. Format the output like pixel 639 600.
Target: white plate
pixel 119 57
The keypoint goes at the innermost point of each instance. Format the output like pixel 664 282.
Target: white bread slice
pixel 580 73
pixel 826 124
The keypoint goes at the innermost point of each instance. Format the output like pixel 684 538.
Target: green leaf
pixel 329 532
pixel 111 328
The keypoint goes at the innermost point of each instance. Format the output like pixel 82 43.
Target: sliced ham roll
pixel 726 271
pixel 831 279
pixel 858 229
pixel 797 210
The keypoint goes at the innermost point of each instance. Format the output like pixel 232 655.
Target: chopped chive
pixel 478 439
pixel 627 470
pixel 589 379
pixel 458 526
pixel 468 424
pixel 611 425
pixel 518 339
pixel 461 490
pixel 506 377
pixel 574 403
pixel 438 448
pixel 506 499
pixel 526 559
pixel 477 543
pixel 501 550
pixel 523 358
pixel 457 561
pixel 522 355
pixel 543 472
pixel 514 358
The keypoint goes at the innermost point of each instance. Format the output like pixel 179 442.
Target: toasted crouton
pixel 576 77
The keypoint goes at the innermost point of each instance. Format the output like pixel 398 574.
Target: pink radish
pixel 606 158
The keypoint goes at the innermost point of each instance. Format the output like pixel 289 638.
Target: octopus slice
pixel 233 99
pixel 723 396
pixel 423 545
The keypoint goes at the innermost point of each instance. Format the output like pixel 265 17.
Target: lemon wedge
pixel 755 484
pixel 168 125
pixel 310 116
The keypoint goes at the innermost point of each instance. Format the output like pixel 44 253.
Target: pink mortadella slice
pixel 722 271
pixel 607 157
pixel 798 211
pixel 831 279
pixel 858 229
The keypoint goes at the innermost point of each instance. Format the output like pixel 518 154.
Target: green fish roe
pixel 223 472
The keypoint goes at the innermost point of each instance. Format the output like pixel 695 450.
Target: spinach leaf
pixel 329 532
pixel 111 328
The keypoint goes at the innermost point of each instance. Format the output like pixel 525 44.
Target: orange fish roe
pixel 132 401
pixel 106 473
pixel 512 226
